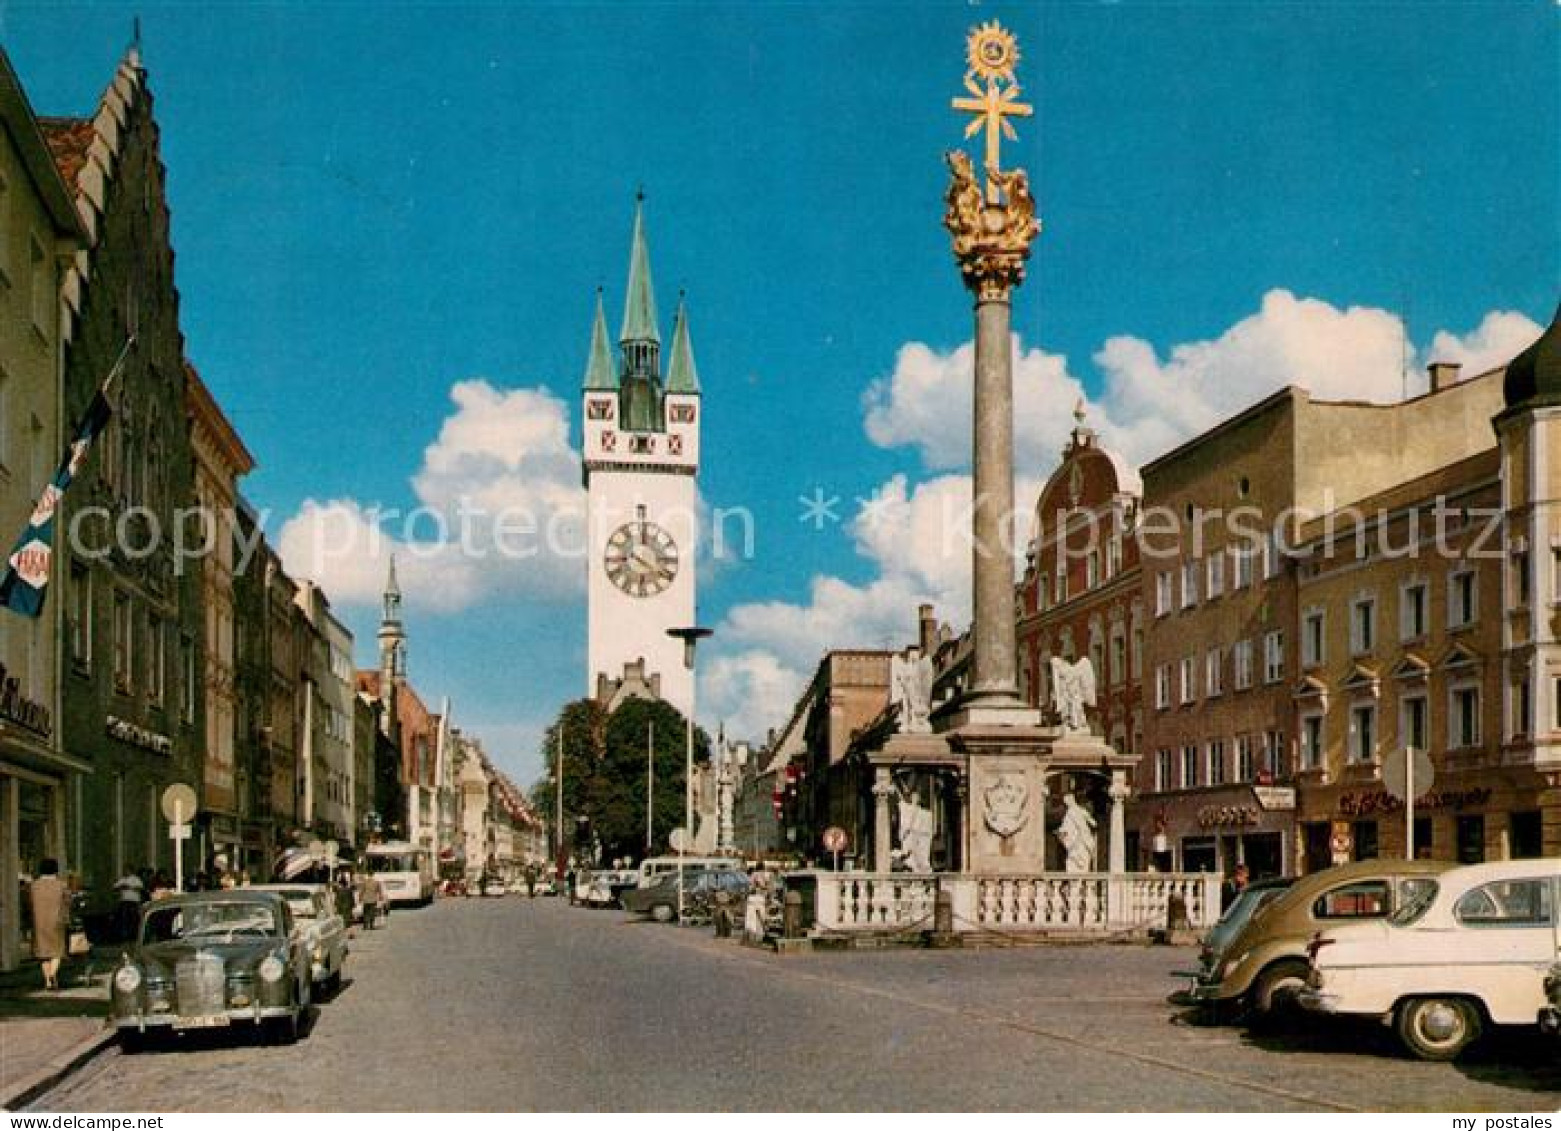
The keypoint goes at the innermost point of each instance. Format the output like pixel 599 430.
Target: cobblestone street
pixel 506 1003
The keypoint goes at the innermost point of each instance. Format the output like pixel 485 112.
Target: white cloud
pixel 925 403
pixel 1500 336
pixel 499 512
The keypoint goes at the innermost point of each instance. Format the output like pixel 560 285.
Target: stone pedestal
pixel 1007 769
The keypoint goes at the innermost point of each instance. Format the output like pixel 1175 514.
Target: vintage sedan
pixel 1469 951
pixel 211 960
pixel 1264 965
pixel 320 927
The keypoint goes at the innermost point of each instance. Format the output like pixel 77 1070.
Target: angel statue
pixel 965 200
pixel 1021 226
pixel 1076 831
pixel 910 689
pixel 915 848
pixel 1073 689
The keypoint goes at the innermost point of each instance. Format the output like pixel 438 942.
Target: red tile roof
pixel 68 140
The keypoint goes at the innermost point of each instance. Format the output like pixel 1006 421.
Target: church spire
pixel 639 309
pixel 682 377
pixel 599 372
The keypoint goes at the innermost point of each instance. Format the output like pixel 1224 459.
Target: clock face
pixel 641 559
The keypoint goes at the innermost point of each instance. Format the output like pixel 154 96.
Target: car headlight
pixel 271 969
pixel 127 979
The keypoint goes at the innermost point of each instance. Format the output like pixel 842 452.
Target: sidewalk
pixel 44 1035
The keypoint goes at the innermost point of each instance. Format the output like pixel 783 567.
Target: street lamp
pixel 690 637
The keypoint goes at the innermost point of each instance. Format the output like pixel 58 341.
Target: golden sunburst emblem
pixel 992 52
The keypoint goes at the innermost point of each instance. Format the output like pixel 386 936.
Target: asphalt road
pixel 507 1004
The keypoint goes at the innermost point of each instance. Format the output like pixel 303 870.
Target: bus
pixel 405 871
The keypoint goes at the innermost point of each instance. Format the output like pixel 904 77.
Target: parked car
pixel 1256 895
pixel 1470 950
pixel 494 886
pixel 211 960
pixel 1263 966
pixel 321 928
pixel 660 899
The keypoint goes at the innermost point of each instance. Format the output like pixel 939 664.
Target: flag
pixel 28 567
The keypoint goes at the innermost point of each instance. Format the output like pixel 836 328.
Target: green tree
pixel 605 764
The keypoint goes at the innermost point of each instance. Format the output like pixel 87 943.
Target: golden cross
pixel 992 108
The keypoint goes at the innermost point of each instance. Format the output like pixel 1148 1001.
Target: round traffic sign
pixel 1395 772
pixel 835 839
pixel 678 839
pixel 178 804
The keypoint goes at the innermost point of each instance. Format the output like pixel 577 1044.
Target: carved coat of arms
pixel 1004 800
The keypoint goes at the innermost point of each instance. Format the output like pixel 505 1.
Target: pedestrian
pixel 50 901
pixel 127 908
pixel 1234 886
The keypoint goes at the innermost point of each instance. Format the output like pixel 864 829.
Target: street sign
pixel 835 839
pixel 1395 773
pixel 178 803
pixel 178 832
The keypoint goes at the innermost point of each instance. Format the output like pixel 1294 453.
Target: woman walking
pixel 51 919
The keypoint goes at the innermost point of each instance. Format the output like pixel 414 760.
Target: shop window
pixel 1471 839
pixel 1526 835
pixel 1424 843
pixel 1365 837
pixel 1365 900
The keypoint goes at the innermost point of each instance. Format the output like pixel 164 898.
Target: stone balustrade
pixel 1055 902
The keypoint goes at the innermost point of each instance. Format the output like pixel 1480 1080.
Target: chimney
pixel 927 634
pixel 1444 374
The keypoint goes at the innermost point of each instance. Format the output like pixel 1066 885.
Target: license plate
pixel 213 1021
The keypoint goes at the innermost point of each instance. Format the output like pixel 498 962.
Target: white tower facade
pixel 641 452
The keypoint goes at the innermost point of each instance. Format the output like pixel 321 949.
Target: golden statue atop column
pixel 991 216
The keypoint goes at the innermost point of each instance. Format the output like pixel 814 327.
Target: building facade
pixel 132 695
pixel 220 460
pixel 39 232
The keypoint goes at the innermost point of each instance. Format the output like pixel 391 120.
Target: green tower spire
pixel 639 310
pixel 599 371
pixel 682 377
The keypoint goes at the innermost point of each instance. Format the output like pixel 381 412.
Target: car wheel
pixel 663 913
pixel 1437 1028
pixel 1274 992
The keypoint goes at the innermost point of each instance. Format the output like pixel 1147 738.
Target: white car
pixel 1471 950
pixel 320 929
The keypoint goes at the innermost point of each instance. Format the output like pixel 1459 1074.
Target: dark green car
pixel 212 960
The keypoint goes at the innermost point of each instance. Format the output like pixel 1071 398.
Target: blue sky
pixel 374 203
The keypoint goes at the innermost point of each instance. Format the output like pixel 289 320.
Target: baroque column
pixel 991 218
